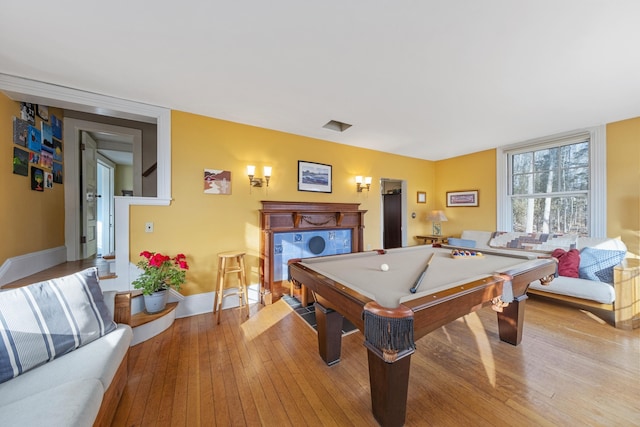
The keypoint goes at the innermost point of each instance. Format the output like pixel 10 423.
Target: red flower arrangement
pixel 160 272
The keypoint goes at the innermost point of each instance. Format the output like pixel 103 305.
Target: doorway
pixel 106 170
pixel 25 90
pixel 393 208
pixel 120 145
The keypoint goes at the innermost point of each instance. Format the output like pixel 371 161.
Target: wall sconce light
pixel 367 183
pixel 256 181
pixel 437 217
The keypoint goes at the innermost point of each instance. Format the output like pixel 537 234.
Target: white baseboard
pixel 203 303
pixel 25 265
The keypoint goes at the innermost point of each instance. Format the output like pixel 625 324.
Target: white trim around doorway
pixel 25 90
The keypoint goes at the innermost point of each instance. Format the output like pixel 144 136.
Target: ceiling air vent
pixel 337 126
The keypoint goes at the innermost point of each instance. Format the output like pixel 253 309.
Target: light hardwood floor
pixel 570 370
pixel 63 269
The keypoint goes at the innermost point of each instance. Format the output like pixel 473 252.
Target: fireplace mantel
pixel 278 217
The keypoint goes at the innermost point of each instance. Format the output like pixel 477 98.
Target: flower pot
pixel 155 302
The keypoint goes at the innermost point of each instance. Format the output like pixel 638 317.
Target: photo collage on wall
pixel 37 150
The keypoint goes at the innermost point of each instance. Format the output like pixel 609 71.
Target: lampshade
pixel 436 216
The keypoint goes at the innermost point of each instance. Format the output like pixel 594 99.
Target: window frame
pixel 596 195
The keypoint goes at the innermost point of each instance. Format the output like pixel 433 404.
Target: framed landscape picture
pixel 217 181
pixel 314 177
pixel 462 198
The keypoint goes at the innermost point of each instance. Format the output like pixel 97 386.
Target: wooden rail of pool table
pixel 389 381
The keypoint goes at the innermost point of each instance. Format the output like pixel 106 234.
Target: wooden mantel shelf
pixel 328 219
pixel 282 217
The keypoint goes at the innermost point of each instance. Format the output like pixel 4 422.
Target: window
pixel 553 185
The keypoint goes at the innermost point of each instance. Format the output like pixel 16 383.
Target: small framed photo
pixel 422 197
pixel 20 162
pixel 57 173
pixel 37 179
pixel 462 198
pixel 43 112
pixel 48 180
pixel 28 112
pixel 314 177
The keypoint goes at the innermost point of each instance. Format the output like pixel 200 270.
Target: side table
pixel 432 238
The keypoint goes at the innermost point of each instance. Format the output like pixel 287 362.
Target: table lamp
pixel 437 217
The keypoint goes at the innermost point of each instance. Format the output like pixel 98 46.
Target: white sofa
pixel 622 297
pixel 81 387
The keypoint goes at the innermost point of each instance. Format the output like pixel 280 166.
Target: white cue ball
pixel 384 267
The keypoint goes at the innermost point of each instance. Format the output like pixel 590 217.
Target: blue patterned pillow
pixel 46 320
pixel 597 264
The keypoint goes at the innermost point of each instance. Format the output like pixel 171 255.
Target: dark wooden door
pixel 392 210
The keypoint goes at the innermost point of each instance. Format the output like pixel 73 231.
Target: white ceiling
pixel 430 79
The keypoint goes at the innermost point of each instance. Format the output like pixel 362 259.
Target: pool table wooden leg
pixel 389 387
pixel 329 334
pixel 511 321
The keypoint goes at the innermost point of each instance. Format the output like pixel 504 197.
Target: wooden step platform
pixel 143 317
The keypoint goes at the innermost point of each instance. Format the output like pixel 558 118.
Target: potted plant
pixel 159 274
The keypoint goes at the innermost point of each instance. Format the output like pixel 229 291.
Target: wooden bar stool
pixel 226 267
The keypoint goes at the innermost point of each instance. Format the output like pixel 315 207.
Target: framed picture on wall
pixel 462 198
pixel 43 112
pixel 57 173
pixel 314 177
pixel 217 181
pixel 37 179
pixel 20 162
pixel 48 180
pixel 422 197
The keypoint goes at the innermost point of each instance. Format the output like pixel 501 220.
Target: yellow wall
pixel 478 171
pixel 623 182
pixel 475 171
pixel 30 220
pixel 123 179
pixel 201 225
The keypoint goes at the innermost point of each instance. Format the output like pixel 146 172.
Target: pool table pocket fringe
pixel 388 335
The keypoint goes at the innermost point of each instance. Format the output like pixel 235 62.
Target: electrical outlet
pixel 148 227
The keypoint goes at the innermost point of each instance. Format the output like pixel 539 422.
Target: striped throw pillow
pixel 46 320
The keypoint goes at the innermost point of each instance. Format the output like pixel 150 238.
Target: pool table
pixel 392 318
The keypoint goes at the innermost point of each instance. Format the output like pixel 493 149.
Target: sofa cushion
pixel 601 243
pixel 465 243
pixel 537 242
pixel 480 237
pixel 46 320
pixel 597 264
pixel 98 360
pixel 579 288
pixel 568 262
pixel 73 403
